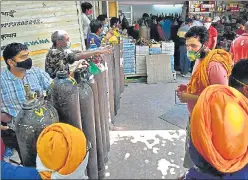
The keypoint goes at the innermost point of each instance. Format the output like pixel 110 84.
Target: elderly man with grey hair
pixel 61 50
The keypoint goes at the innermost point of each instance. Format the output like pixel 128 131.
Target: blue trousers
pixel 184 60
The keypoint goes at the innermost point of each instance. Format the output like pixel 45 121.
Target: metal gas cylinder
pixel 106 104
pixel 64 96
pixel 99 139
pixel 122 77
pixel 116 76
pixel 144 32
pixel 35 115
pixel 101 100
pixel 86 99
pixel 109 64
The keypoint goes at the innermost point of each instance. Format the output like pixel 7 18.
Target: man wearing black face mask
pixel 18 73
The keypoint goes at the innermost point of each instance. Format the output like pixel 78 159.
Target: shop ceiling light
pixel 166 5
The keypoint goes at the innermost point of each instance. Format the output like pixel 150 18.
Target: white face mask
pixel 79 173
pixel 207 24
pixel 68 51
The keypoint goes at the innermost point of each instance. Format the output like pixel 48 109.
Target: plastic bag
pixel 93 69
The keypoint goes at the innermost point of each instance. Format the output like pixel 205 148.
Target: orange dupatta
pixel 199 79
pixel 61 147
pixel 219 128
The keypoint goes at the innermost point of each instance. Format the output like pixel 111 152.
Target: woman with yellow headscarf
pixel 219 135
pixel 62 152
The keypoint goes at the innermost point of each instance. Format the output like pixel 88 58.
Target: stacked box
pixel 141 64
pixel 168 48
pixel 129 58
pixel 159 68
pixel 126 40
pixel 142 50
pixel 155 50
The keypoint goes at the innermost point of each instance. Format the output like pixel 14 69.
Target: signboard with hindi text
pixel 33 22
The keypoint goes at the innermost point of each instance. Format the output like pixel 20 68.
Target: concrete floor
pixel 146 147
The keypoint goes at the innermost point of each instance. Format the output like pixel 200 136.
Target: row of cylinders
pixel 87 102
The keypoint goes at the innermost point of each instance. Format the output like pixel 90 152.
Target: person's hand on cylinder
pixel 106 50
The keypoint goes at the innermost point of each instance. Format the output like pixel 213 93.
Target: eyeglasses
pixel 240 82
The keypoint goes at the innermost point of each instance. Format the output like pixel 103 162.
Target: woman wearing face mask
pixel 212 33
pixel 211 67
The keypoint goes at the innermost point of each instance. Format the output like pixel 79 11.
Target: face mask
pixel 27 64
pixel 207 25
pixel 201 18
pixel 68 45
pixel 192 55
pixel 68 51
pixel 79 173
pixel 89 12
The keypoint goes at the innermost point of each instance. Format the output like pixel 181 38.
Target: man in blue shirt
pixel 19 72
pixel 96 28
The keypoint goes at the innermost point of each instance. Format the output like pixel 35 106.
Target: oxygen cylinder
pixel 116 77
pixel 99 139
pixel 35 115
pixel 106 105
pixel 102 95
pixel 110 64
pixel 88 119
pixel 101 100
pixel 64 96
pixel 144 32
pixel 121 69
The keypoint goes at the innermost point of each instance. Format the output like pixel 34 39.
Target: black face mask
pixel 27 64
